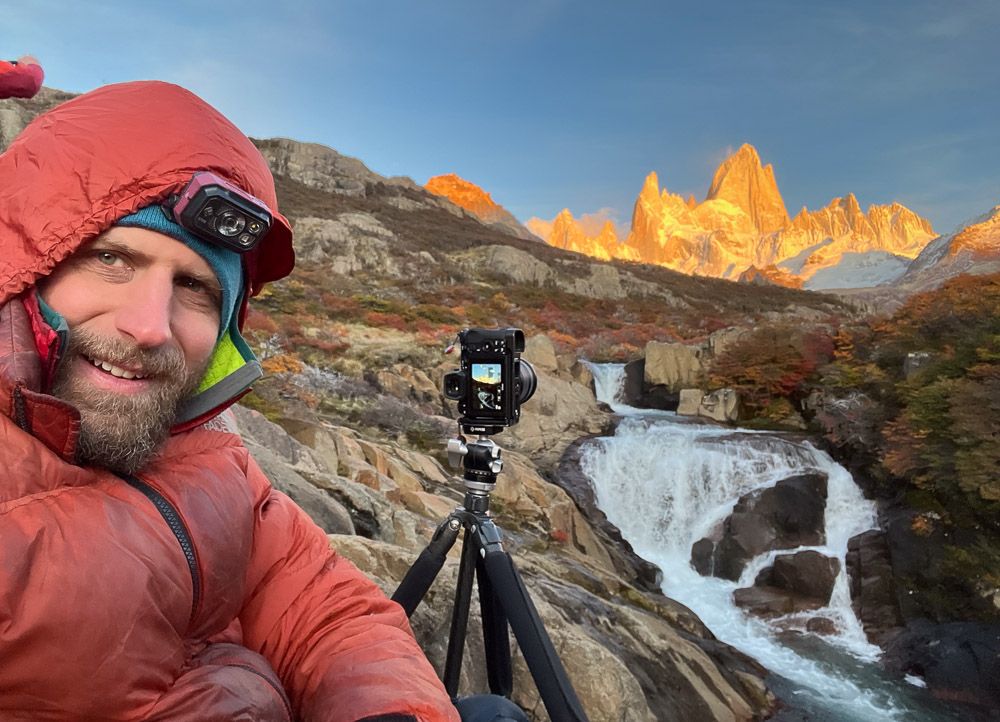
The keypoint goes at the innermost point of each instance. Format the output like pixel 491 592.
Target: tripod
pixel 503 598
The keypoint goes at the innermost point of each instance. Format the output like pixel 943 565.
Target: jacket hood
pixel 78 168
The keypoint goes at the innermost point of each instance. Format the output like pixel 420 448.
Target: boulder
pixel 702 557
pixel 633 387
pixel 766 601
pixel 873 591
pixel 540 353
pixel 821 625
pixel 806 573
pixel 689 402
pixel 673 365
pixel 787 515
pixel 720 405
pixel 602 281
pixel 794 583
pixel 285 461
pixel 959 662
pixel 642 395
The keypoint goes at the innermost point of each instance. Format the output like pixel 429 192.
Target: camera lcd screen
pixel 487 388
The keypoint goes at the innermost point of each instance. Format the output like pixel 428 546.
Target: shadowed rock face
pixel 960 662
pixel 873 591
pixel 790 514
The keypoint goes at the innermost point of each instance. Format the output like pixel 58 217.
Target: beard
pixel 122 432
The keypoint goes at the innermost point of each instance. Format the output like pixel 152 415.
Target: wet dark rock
pixel 795 582
pixel 642 395
pixel 632 388
pixel 821 625
pixel 959 661
pixel 701 556
pixel 788 515
pixel 764 601
pixel 873 591
pixel 807 573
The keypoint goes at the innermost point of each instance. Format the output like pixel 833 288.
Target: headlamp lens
pixel 230 223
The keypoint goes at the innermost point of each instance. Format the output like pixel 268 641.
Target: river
pixel 666 481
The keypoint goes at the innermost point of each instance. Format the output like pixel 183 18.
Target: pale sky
pixel 549 104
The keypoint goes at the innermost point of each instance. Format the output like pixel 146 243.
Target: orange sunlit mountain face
pixel 741 230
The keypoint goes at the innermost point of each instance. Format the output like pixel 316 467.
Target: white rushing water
pixel 666 483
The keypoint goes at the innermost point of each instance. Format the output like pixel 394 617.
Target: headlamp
pixel 219 212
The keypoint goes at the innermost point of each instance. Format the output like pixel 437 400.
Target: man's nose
pixel 144 311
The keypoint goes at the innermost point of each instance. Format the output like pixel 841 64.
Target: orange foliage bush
pixel 281 364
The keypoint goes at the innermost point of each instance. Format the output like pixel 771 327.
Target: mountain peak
pixel 474 199
pixel 743 182
pixel 462 193
pixel 748 152
pixel 651 186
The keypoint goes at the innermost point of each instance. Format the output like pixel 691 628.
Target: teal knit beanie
pixel 227 264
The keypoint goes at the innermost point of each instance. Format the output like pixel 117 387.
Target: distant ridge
pixel 973 249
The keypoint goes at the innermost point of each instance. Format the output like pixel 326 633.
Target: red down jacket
pixel 104 613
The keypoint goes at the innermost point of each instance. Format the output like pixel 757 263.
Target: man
pixel 148 571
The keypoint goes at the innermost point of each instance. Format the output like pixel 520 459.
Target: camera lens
pixel 230 223
pixel 527 380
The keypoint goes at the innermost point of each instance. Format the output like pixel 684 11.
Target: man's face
pixel 143 313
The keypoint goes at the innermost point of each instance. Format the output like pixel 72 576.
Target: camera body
pixel 217 211
pixel 493 380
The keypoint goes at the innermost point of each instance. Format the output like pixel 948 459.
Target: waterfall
pixel 667 482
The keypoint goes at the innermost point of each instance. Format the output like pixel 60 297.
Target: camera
pixel 217 211
pixel 493 380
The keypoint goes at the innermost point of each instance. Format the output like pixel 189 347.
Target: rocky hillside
pixel 743 223
pixel 973 249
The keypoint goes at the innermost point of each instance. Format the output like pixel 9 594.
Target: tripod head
pixel 481 462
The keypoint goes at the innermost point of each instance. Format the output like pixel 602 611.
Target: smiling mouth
pixel 116 371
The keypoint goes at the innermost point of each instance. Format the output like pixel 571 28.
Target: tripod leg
pixel 460 614
pixel 554 686
pixel 425 569
pixel 495 639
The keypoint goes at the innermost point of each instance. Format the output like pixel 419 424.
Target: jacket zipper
pixel 20 412
pixel 173 519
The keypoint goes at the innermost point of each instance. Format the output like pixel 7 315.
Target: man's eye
pixel 200 287
pixel 107 258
